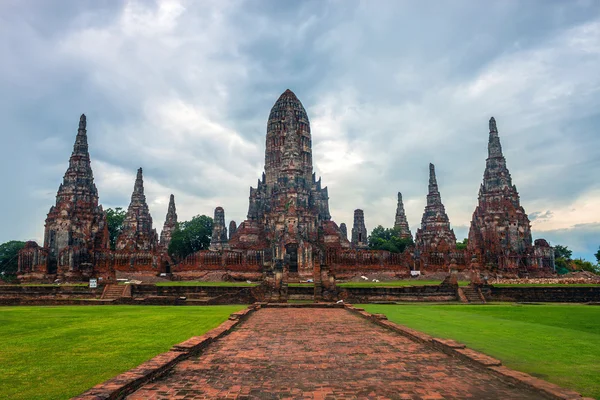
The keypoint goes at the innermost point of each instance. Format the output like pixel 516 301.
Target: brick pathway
pixel 323 354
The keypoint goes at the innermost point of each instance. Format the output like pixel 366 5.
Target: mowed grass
pixel 59 352
pixel 199 283
pixel 558 343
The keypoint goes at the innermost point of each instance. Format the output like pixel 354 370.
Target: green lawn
pixel 395 283
pixel 200 283
pixel 558 343
pixel 59 352
pixel 545 284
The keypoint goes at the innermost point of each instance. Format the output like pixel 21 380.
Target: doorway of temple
pixel 292 251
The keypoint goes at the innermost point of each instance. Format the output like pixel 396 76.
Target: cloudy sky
pixel 184 89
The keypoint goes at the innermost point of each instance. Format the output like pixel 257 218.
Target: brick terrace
pixel 323 354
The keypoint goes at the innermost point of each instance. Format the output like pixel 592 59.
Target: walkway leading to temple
pixel 323 354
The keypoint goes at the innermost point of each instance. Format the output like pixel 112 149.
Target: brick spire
pixel 401 223
pixel 170 224
pixel 435 233
pixel 76 219
pixel 137 233
pixel 499 223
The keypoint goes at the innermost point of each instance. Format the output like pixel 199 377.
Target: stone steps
pixel 473 295
pixel 113 292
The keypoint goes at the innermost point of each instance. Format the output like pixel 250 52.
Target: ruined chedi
pixel 401 223
pixel 359 231
pixel 77 221
pixel 499 225
pixel 137 232
pixel 288 211
pixel 218 239
pixel 434 235
pixel 169 226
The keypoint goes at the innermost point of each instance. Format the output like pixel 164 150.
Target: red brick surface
pixel 324 354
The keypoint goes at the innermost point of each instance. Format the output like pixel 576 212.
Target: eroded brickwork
pixel 500 232
pixel 169 225
pixel 138 233
pixel 400 222
pixel 76 225
pixel 435 240
pixel 359 231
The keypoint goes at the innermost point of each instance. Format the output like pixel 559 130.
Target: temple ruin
pixel 288 233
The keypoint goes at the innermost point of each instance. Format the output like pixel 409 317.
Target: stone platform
pixel 327 353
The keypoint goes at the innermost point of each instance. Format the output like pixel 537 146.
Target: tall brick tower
pixel 77 222
pixel 289 210
pixel 500 227
pixel 434 235
pixel 137 233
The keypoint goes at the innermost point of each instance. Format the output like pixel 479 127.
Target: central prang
pixel 289 210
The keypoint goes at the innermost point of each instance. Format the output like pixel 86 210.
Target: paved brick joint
pixel 324 354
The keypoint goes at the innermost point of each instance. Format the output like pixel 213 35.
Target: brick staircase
pixel 473 295
pixel 113 292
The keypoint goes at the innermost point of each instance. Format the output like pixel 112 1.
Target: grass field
pixel 558 343
pixel 59 352
pixel 199 283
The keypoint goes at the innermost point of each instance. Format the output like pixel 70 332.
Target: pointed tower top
pixel 138 188
pixel 493 125
pixel 82 122
pixel 432 179
pixel 399 197
pixel 494 146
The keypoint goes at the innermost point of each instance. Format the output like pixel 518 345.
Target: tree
pixel 598 255
pixel 462 245
pixel 191 236
pixel 114 219
pixel 562 259
pixel 582 265
pixel 562 252
pixel 9 258
pixel 388 239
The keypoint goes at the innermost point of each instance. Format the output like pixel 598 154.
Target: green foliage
pixel 562 252
pixel 462 245
pixel 582 265
pixel 559 343
pixel 562 266
pixel 388 239
pixel 9 258
pixel 59 352
pixel 598 255
pixel 191 236
pixel 562 259
pixel 114 219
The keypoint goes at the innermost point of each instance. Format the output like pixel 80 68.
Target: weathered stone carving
pixel 169 226
pixel 401 223
pixel 137 233
pixel 359 231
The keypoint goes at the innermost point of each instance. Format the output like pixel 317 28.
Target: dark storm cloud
pixel 184 89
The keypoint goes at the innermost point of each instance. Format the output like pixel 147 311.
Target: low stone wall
pixel 402 293
pixel 77 292
pixel 557 294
